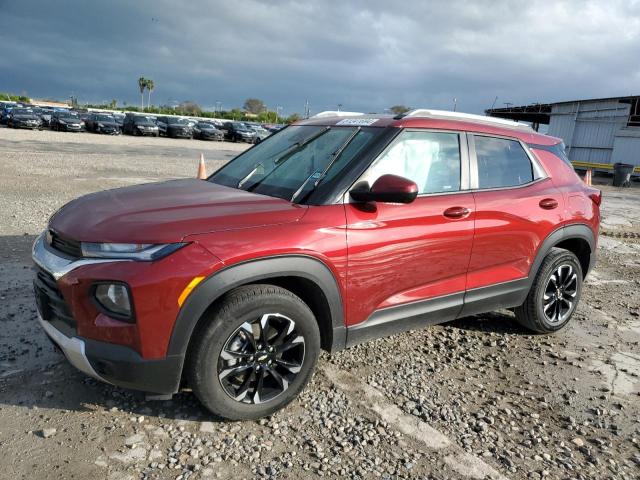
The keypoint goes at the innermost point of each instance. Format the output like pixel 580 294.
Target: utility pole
pixel 306 109
pixel 455 103
pixel 339 106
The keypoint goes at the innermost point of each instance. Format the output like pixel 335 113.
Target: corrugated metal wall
pixel 626 146
pixel 588 128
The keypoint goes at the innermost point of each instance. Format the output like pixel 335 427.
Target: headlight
pixel 140 126
pixel 101 125
pixel 131 251
pixel 114 298
pixel 63 122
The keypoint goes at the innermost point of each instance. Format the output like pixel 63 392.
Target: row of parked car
pixel 64 120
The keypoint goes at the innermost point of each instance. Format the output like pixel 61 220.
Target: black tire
pixel 539 313
pixel 224 329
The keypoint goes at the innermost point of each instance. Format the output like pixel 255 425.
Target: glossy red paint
pixel 381 255
pixel 403 253
pixel 155 287
pixel 142 213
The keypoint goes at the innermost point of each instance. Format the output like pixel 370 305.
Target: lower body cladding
pixel 116 364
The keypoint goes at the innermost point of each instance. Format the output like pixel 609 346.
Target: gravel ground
pixel 475 398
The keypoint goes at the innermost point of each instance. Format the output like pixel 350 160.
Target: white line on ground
pixel 461 462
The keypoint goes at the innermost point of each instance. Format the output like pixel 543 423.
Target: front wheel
pixel 554 295
pixel 256 351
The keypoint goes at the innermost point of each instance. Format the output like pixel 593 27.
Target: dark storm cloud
pixel 366 55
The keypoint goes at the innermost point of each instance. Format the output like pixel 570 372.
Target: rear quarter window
pixel 502 163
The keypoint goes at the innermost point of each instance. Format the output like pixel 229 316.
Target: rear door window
pixel 502 163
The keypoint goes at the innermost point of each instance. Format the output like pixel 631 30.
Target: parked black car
pixel 102 123
pixel 175 127
pixel 45 116
pixel 207 131
pixel 66 122
pixel 119 118
pixel 139 125
pixel 238 132
pixel 24 118
pixel 4 114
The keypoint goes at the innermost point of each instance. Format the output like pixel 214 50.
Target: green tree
pixel 293 118
pixel 150 86
pixel 399 109
pixel 142 84
pixel 254 105
pixel 190 108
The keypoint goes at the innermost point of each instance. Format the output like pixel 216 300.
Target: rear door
pixel 407 263
pixel 517 207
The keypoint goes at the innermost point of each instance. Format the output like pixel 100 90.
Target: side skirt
pixel 398 319
pixel 392 320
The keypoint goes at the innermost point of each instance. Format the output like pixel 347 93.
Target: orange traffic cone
pixel 202 169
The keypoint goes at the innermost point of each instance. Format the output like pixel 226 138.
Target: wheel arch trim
pixel 579 231
pixel 221 282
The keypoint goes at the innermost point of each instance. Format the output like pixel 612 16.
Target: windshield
pixel 291 163
pixel 68 116
pixel 144 120
pixel 22 111
pixel 178 121
pixel 205 125
pixel 104 118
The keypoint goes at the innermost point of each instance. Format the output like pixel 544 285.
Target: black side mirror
pixel 387 188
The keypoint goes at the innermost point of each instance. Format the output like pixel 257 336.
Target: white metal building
pixel 597 132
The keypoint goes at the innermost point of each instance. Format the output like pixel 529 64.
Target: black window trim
pixel 464 162
pixel 539 174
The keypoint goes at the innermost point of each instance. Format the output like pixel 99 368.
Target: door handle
pixel 548 203
pixel 456 212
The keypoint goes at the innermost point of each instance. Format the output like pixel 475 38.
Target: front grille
pixel 49 299
pixel 65 245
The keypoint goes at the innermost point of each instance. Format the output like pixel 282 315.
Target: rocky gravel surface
pixel 475 398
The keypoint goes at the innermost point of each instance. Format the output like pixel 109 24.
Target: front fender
pixel 225 280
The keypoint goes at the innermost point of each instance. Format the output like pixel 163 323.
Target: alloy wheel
pixel 260 359
pixel 560 294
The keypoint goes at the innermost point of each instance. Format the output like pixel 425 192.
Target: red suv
pixel 331 232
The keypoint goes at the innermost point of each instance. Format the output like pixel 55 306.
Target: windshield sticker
pixel 358 121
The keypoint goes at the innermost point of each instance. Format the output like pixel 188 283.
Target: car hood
pixel 26 117
pixel 72 121
pixel 167 212
pixel 108 123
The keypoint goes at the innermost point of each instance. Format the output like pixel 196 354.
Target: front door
pixel 407 264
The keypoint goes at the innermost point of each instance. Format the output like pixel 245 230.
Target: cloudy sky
pixel 366 55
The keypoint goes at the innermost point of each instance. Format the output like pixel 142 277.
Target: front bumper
pixel 112 363
pixel 108 130
pixel 116 364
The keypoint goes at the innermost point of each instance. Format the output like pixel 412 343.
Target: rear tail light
pixel 595 195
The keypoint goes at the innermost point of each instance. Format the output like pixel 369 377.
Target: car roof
pixel 434 119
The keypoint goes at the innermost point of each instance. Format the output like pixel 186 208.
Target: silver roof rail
pixel 447 115
pixel 336 113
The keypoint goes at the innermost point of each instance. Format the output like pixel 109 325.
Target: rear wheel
pixel 255 353
pixel 554 295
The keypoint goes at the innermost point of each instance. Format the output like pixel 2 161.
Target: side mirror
pixel 387 188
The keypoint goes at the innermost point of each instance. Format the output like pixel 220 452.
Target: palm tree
pixel 149 84
pixel 142 84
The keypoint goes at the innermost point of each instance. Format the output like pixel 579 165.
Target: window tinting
pixel 502 163
pixel 430 159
